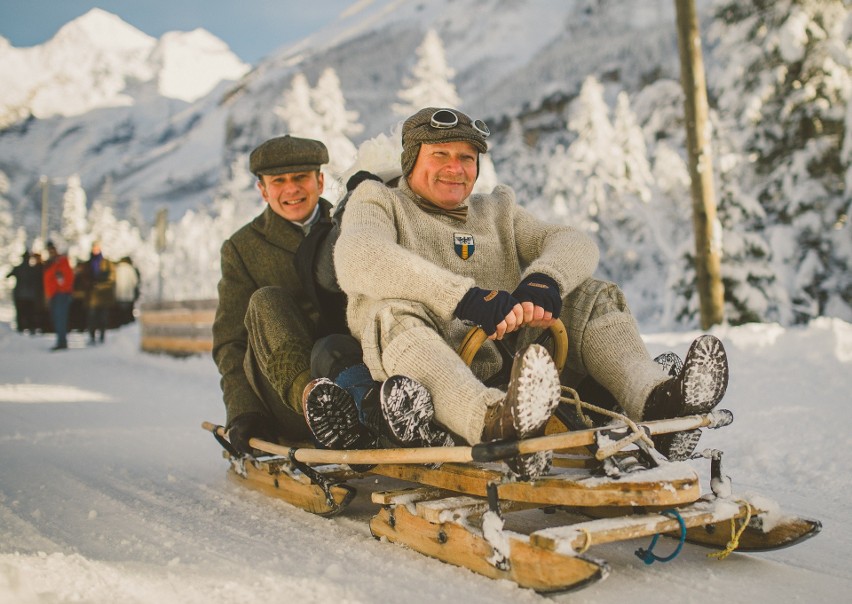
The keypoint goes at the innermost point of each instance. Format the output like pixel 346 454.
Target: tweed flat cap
pixel 419 129
pixel 286 154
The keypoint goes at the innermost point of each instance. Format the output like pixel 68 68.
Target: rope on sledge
pixel 573 398
pixel 736 533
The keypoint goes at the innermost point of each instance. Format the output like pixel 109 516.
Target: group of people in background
pixel 52 296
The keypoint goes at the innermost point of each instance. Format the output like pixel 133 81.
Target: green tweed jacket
pixel 259 254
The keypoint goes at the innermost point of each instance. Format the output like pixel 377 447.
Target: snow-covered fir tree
pixel 752 291
pixel 6 219
pixel 520 167
pixel 642 218
pixel 600 183
pixel 191 258
pixel 783 91
pixel 118 238
pixel 12 240
pixel 74 224
pixel 237 199
pixel 337 122
pixel 670 224
pixel 106 196
pixel 296 110
pixel 631 141
pixel 320 113
pixel 430 83
pixel 134 213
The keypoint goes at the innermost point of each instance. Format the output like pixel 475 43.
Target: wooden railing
pixel 179 328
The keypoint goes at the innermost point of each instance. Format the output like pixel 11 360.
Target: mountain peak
pixel 99 60
pixel 102 29
pixel 191 63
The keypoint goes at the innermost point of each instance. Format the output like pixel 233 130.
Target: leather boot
pixel 532 396
pixel 332 417
pixel 401 410
pixel 697 386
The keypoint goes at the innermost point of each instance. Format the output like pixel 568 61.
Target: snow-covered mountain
pixel 582 97
pixel 99 61
pixel 130 124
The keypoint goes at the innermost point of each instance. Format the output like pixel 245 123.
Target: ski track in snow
pixel 121 496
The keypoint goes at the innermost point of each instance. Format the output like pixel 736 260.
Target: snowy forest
pixel 779 78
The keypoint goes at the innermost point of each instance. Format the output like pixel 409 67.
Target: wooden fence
pixel 179 328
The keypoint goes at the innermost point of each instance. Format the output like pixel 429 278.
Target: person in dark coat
pixel 26 293
pixel 100 294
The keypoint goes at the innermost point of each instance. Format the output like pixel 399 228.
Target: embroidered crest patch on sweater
pixel 464 245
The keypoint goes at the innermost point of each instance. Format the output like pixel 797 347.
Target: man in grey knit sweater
pixel 422 262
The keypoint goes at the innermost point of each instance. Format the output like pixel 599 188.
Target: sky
pixel 252 29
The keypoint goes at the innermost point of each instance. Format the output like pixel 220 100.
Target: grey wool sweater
pixel 390 248
pixel 392 252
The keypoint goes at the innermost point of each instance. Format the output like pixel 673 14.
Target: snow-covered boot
pixel 697 385
pixel 407 414
pixel 532 397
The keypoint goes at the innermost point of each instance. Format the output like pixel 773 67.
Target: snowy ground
pixel 111 492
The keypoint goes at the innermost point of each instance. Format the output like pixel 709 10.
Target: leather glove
pixel 485 308
pixel 247 426
pixel 542 291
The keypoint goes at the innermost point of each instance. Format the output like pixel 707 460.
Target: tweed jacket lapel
pixel 277 231
pixel 283 233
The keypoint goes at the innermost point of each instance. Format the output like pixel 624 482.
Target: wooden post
pixel 708 235
pixel 44 181
pixel 161 225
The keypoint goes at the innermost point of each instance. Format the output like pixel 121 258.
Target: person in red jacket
pixel 58 285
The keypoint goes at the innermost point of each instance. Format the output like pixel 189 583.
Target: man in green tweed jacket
pixel 280 337
pixel 422 262
pixel 265 322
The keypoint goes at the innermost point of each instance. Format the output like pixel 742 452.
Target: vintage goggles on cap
pixel 443 119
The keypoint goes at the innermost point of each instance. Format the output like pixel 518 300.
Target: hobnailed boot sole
pixel 408 413
pixel 332 417
pixel 705 375
pixel 535 386
pixel 703 384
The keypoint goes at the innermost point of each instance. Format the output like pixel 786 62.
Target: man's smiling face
pixel 294 195
pixel 444 173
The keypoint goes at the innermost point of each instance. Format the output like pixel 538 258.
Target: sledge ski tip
pixel 528 566
pixel 273 477
pixel 790 531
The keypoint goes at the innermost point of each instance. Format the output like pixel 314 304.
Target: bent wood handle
pixel 474 339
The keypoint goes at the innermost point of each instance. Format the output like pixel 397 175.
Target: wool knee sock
pixel 614 354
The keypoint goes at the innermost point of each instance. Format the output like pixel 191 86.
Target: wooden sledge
pixel 456 512
pixel 463 503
